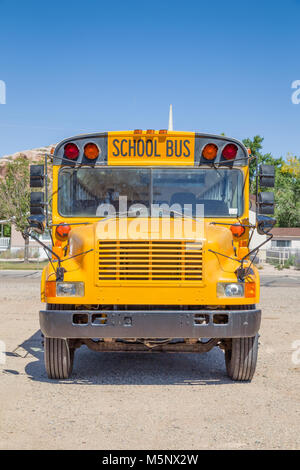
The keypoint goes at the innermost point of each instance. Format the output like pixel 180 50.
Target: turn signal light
pixel 71 151
pixel 230 151
pixel 249 289
pixel 62 231
pixel 50 290
pixel 237 230
pixel 210 151
pixel 91 151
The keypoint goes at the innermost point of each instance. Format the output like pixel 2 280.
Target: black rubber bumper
pixel 150 324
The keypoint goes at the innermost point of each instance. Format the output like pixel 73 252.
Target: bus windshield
pixel 85 191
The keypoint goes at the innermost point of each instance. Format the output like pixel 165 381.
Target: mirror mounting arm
pixel 241 272
pixel 270 235
pixel 59 270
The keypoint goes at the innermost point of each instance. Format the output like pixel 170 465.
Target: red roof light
pixel 71 151
pixel 230 151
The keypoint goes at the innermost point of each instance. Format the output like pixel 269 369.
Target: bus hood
pixel 166 235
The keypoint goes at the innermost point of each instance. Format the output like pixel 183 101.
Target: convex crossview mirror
pixel 37 223
pixel 264 224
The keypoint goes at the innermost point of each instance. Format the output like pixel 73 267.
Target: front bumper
pixel 150 324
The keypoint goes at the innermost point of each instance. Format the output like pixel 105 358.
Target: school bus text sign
pixel 124 149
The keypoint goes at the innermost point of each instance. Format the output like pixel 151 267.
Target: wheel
pixel 58 358
pixel 58 355
pixel 241 358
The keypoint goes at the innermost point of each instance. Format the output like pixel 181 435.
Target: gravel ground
pixel 141 401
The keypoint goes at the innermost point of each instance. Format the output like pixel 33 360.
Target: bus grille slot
pixel 150 260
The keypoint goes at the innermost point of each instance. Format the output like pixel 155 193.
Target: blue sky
pixel 84 66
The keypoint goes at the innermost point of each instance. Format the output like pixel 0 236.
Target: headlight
pixel 69 289
pixel 232 289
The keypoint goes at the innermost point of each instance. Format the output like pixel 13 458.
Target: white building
pixel 4 241
pixel 15 244
pixel 285 237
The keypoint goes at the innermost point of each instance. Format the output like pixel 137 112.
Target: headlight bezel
pixel 69 289
pixel 223 290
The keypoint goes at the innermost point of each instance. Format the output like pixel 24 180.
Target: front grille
pixel 150 260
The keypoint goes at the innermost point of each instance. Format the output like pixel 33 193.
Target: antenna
pixel 170 128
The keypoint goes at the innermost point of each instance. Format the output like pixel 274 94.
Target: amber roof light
pixel 210 151
pixel 91 151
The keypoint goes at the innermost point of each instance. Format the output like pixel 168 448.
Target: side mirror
pixel 37 176
pixel 267 176
pixel 264 224
pixel 266 203
pixel 37 223
pixel 37 203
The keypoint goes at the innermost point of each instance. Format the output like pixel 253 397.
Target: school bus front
pixel 149 229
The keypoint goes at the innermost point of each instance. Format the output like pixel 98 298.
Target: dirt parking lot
pixel 147 401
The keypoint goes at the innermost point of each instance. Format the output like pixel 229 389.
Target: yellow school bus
pixel 150 232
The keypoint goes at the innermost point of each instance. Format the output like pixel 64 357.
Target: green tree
pixel 15 196
pixel 287 195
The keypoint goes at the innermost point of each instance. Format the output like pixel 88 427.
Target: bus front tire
pixel 241 358
pixel 58 358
